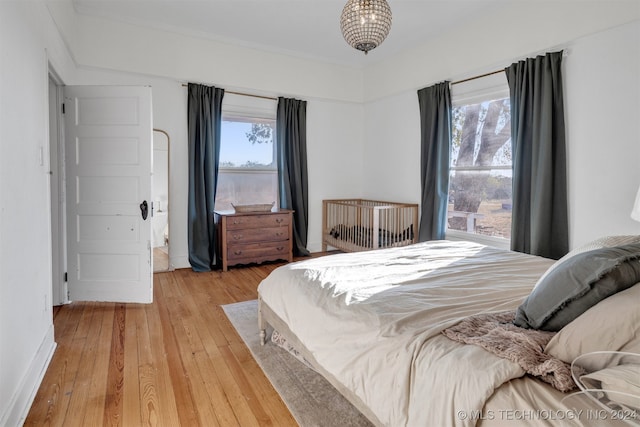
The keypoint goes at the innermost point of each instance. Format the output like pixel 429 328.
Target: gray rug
pixel 311 399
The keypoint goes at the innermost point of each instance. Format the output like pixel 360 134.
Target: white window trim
pixel 236 106
pixel 496 242
pixel 247 170
pixel 480 168
pixel 479 90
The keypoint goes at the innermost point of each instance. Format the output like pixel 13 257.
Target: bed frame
pixel 353 225
pixel 526 393
pixel 266 318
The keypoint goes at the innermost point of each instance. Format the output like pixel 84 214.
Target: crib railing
pixel 359 224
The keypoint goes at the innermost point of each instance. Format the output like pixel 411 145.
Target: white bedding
pixel 373 319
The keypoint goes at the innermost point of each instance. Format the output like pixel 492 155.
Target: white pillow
pixel 623 380
pixel 613 324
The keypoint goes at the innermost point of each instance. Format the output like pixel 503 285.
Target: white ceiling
pixel 305 28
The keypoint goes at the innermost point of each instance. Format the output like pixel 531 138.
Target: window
pixel 248 171
pixel 480 171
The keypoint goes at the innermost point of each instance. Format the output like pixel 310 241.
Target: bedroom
pixel 356 112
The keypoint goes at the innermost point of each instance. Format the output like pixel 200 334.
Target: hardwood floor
pixel 176 362
pixel 160 259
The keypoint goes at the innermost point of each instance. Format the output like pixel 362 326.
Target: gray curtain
pixel 539 218
pixel 435 140
pixel 204 116
pixel 291 137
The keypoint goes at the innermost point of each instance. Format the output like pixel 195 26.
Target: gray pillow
pixel 578 284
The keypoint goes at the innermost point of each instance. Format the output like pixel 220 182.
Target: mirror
pixel 160 218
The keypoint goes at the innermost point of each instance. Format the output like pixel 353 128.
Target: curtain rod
pixel 565 53
pixel 245 94
pixel 477 77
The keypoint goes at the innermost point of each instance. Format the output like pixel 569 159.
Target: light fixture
pixel 635 212
pixel 365 23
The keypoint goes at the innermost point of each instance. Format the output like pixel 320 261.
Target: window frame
pixel 252 109
pixel 473 92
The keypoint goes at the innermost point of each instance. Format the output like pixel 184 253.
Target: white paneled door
pixel 108 131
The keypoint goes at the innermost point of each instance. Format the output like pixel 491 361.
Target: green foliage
pixel 260 133
pixel 248 164
pixel 498 188
pixel 252 164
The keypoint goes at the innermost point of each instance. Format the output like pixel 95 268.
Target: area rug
pixel 311 399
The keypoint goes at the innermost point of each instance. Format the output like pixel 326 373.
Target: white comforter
pixel 373 321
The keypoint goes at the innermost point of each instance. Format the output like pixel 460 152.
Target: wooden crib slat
pixel 361 224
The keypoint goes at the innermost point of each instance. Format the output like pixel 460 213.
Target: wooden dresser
pixel 255 237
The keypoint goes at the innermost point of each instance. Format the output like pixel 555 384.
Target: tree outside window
pixel 480 173
pixel 247 166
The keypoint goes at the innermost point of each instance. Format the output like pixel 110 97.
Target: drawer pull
pixel 237 252
pixel 279 233
pixel 280 248
pixel 237 237
pixel 279 220
pixel 235 221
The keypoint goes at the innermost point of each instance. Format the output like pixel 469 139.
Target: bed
pixel 352 225
pixel 372 324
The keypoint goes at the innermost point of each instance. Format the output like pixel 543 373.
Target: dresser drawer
pixel 248 235
pixel 248 238
pixel 238 222
pixel 250 251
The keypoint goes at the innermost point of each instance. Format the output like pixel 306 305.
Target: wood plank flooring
pixel 176 362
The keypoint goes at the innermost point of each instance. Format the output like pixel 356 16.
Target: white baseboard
pixel 314 246
pixel 179 262
pixel 23 397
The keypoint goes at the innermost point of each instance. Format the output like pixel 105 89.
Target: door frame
pixel 57 183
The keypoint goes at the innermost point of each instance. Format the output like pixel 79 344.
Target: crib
pixel 353 225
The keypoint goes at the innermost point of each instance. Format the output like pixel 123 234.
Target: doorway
pixel 160 218
pixel 57 188
pixel 91 227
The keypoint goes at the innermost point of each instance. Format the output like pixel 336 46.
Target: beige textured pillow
pixel 613 324
pixel 603 242
pixel 607 242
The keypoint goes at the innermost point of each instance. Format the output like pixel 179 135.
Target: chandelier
pixel 365 23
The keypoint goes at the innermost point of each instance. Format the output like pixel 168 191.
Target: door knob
pixel 144 209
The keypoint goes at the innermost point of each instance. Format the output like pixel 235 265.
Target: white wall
pixel 514 30
pixel 108 44
pixel 334 155
pixel 26 326
pixel 372 110
pixel 602 87
pixel 602 106
pixel 392 149
pixel 110 52
pixel 334 148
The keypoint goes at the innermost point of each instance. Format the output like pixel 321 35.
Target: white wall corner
pixel 21 401
pixel 179 262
